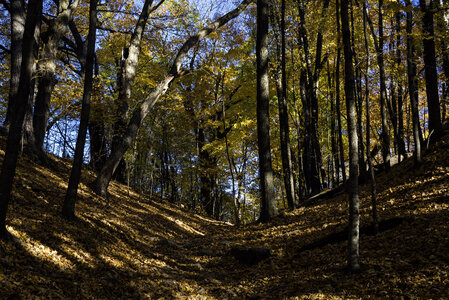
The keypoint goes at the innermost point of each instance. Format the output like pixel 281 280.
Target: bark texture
pixel 413 85
pixel 68 209
pixel 17 13
pixel 352 188
pixel 268 204
pixel 47 68
pixel 20 100
pixel 430 68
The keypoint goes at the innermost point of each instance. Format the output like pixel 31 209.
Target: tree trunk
pixel 101 183
pixel 385 137
pixel 400 109
pixel 444 25
pixel 34 12
pixel 27 140
pixel 68 209
pixel 127 73
pixel 358 97
pixel 337 100
pixel 17 13
pixel 207 179
pixel 368 131
pixel 310 179
pixel 281 88
pixel 353 243
pixel 312 147
pixel 300 166
pixel 268 203
pixel 413 86
pixel 334 149
pixel 285 135
pixel 379 44
pixel 430 67
pixel 235 199
pixel 47 68
pixel 98 147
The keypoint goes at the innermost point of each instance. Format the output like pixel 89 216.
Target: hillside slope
pixel 130 247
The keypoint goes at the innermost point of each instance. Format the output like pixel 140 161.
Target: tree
pixel 46 70
pixel 17 14
pixel 127 72
pixel 138 114
pixel 368 129
pixel 268 204
pixel 413 85
pixel 400 105
pixel 20 102
pixel 337 97
pixel 352 188
pixel 68 209
pixel 312 152
pixel 383 90
pixel 430 67
pixel 379 46
pixel 281 87
pixel 443 26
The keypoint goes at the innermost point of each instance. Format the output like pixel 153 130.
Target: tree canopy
pixel 236 110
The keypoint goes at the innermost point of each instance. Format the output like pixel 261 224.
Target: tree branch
pixel 5 49
pixel 211 27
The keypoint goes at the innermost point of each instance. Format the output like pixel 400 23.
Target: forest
pixel 224 149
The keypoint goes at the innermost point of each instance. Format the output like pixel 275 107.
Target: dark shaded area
pixel 341 236
pixel 312 201
pixel 363 179
pixel 250 256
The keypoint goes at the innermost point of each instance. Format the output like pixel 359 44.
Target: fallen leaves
pixel 114 251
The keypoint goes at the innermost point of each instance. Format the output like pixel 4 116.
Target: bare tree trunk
pixel 413 85
pixel 383 91
pixel 281 87
pixel 400 109
pixel 34 12
pixel 337 100
pixel 17 13
pixel 313 168
pixel 430 67
pixel 98 147
pixel 68 209
pixel 368 132
pixel 334 149
pixel 285 135
pixel 268 203
pixel 46 70
pixel 444 25
pixel 27 127
pixel 353 241
pixel 379 44
pixel 297 122
pixel 127 73
pixel 231 169
pixel 358 99
pixel 27 142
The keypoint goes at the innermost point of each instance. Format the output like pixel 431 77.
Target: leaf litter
pixel 117 248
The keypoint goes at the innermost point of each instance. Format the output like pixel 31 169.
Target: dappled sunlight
pixel 40 251
pixel 136 247
pixel 112 261
pixel 79 254
pixel 184 226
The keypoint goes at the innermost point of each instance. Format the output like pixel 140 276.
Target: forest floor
pixel 130 247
